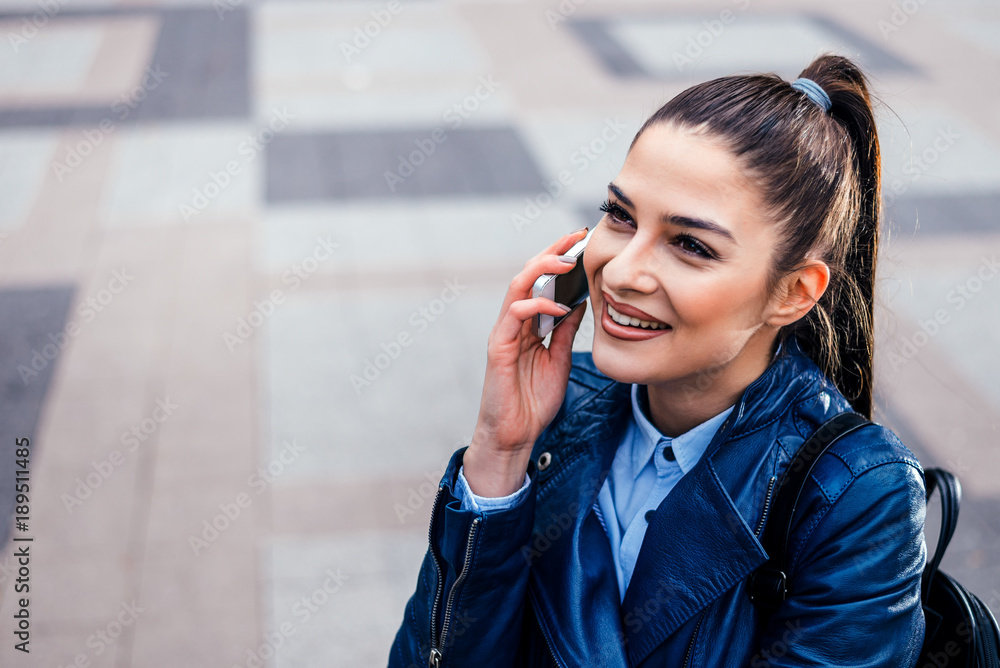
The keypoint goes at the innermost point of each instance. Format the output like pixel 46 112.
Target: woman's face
pixel 686 245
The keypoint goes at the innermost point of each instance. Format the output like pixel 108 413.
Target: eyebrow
pixel 683 221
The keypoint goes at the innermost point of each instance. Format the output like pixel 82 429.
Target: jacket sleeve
pixel 854 588
pixel 468 606
pixel 472 501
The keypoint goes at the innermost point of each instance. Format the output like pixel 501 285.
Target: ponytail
pixel 839 331
pixel 820 175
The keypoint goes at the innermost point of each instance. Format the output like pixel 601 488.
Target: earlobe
pixel 799 292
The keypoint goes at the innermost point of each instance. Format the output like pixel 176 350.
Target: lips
pixel 629 323
pixel 632 321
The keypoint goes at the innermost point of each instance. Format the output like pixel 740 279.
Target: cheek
pixel 731 299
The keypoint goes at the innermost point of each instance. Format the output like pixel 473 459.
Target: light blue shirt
pixel 640 478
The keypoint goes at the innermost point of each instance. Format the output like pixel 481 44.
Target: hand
pixel 525 381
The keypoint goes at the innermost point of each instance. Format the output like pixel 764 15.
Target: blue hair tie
pixel 813 91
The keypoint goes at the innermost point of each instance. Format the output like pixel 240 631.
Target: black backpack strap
pixel 951 499
pixel 768 585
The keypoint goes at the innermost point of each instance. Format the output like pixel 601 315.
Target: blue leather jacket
pixel 535 585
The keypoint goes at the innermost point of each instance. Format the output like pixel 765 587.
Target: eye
pixel 690 244
pixel 617 214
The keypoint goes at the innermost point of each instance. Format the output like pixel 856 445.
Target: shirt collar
pixel 688 447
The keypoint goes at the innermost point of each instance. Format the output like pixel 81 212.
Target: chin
pixel 619 365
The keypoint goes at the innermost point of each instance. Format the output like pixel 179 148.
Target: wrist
pixel 494 474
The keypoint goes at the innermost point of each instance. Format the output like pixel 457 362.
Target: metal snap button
pixel 544 460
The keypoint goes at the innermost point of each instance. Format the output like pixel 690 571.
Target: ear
pixel 797 293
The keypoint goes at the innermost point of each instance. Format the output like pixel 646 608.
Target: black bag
pixel 960 630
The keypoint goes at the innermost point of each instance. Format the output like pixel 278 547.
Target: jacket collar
pixel 698 544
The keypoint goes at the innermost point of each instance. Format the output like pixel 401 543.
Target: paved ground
pixel 250 254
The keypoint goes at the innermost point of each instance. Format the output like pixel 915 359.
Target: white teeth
pixel 628 321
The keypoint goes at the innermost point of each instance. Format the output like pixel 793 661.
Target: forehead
pixel 680 172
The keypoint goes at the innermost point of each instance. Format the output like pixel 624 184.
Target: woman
pixel 732 279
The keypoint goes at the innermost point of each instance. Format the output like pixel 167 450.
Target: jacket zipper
pixel 687 655
pixel 436 656
pixel 545 635
pixel 767 505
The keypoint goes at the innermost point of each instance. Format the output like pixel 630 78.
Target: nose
pixel 631 270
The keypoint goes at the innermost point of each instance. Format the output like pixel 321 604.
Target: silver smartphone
pixel 570 288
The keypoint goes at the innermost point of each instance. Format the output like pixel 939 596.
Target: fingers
pixel 564 243
pixel 562 336
pixel 546 262
pixel 513 319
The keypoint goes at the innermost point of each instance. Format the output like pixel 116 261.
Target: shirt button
pixel 668 454
pixel 649 515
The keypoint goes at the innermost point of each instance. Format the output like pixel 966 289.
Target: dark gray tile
pixel 870 55
pixel 207 73
pixel 207 59
pixel 608 50
pixel 27 319
pixel 945 214
pixel 469 161
pixel 595 35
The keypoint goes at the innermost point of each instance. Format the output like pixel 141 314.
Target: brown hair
pixel 819 174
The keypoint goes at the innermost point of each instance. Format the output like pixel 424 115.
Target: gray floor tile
pixel 208 73
pixel 338 386
pixel 356 624
pixel 970 213
pixel 484 161
pixel 31 328
pixel 675 44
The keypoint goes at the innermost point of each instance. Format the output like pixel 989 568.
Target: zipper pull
pixel 434 660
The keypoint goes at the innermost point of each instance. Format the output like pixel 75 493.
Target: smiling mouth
pixel 630 321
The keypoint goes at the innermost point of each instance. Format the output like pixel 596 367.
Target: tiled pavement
pixel 247 270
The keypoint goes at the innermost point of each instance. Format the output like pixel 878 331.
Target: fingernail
pixel 565 308
pixel 579 230
pixel 568 259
